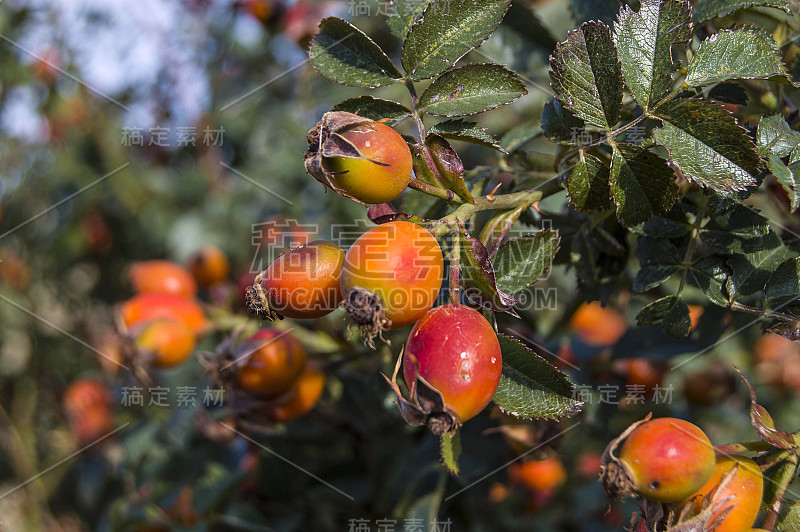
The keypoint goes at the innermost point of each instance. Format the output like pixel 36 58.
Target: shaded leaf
pixel 522 261
pixel 729 93
pixel 776 137
pixel 706 143
pixel 783 286
pixel 525 22
pixel 530 387
pixel 763 423
pixel 641 183
pixel 471 89
pixel 750 271
pixel 478 277
pixel 586 75
pixel 344 54
pixel 559 125
pixel 375 109
pixel 710 274
pixel 448 165
pixel 587 186
pixel 520 135
pixel 737 230
pixel 708 9
pixel 644 43
pixel 448 30
pixel 669 313
pixel 659 259
pixel 402 14
pixel 467 132
pixel 586 10
pixel 671 225
pixel 741 53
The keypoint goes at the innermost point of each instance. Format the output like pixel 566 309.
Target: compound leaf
pixel 641 183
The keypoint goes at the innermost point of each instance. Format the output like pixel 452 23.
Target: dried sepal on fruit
pixel 426 405
pixel 366 161
pixel 255 298
pixel 614 475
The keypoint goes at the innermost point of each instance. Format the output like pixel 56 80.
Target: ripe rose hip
pixel 88 407
pixel 165 342
pixel 209 265
pixel 271 361
pixel 302 283
pixel 539 476
pixel 365 160
pixel 663 459
pixel 597 325
pixel 391 276
pixel 161 276
pixel 455 350
pixel 86 393
pixel 745 489
pixel 302 397
pixel 147 307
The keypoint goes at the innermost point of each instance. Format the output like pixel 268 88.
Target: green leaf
pixel 588 185
pixel 586 10
pixel 737 230
pixel 775 136
pixel 471 89
pixel 559 125
pixel 729 93
pixel 522 261
pixel 710 274
pixel 450 443
pixel 586 75
pixel 524 21
pixel 532 388
pixel 520 135
pixel 448 166
pixel 669 313
pixel 783 285
pixel 644 43
pixel 448 30
pixel 402 14
pixel 498 227
pixel 708 9
pixel 788 177
pixel 750 271
pixel 706 143
pixel 741 53
pixel 641 183
pixel 659 259
pixel 344 54
pixel 467 132
pixel 789 517
pixel 375 109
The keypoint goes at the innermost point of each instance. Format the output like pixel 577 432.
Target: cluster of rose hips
pixel 672 461
pixel 389 277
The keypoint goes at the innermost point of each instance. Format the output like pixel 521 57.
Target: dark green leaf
pixel 708 9
pixel 586 10
pixel 559 125
pixel 737 230
pixel 671 225
pixel 588 184
pixel 641 183
pixel 344 54
pixel 783 285
pixel 478 277
pixel 525 22
pixel 729 93
pixel 447 31
pixel 741 53
pixel 710 274
pixel 707 144
pixel 402 14
pixel 375 109
pixel 471 89
pixel 466 131
pixel 751 271
pixel 448 166
pixel 586 75
pixel 669 313
pixel 532 388
pixel 775 136
pixel 522 261
pixel 658 260
pixel 644 43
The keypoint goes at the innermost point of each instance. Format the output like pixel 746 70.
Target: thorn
pixel 490 196
pixel 535 206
